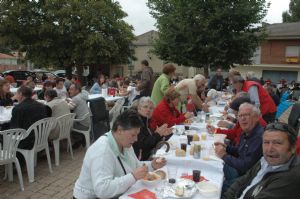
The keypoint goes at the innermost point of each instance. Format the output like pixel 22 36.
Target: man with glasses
pixel 239 159
pixel 277 174
pixel 189 87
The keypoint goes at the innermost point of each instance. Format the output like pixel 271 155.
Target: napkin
pixel 190 177
pixel 143 194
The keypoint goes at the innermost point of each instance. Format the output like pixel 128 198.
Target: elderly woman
pixel 110 166
pixel 101 83
pixel 147 139
pixel 166 111
pixel 5 94
pixel 162 83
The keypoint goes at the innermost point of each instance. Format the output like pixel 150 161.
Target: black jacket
pixel 146 142
pixel 274 185
pixel 24 115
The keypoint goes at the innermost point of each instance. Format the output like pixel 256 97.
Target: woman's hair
pixel 99 77
pixel 168 69
pixel 51 93
pixel 2 94
pixel 233 72
pixel 143 101
pixel 127 120
pixel 171 94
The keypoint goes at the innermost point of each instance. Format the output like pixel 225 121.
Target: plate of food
pixel 153 178
pixel 182 188
pixel 207 189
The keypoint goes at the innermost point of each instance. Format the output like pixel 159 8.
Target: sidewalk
pixel 58 184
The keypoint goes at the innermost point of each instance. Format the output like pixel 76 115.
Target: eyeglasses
pixel 246 115
pixel 282 127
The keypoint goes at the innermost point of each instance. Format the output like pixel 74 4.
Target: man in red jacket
pixel 234 134
pixel 258 95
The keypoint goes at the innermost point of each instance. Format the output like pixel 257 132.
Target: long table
pixel 211 166
pixel 5 114
pixel 14 90
pixel 107 98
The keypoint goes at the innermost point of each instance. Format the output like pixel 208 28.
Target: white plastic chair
pixel 65 123
pixel 11 139
pixel 86 133
pixel 41 131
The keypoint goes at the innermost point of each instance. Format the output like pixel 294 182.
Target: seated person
pixel 29 82
pixel 166 111
pixel 110 166
pixel 239 159
pixel 277 174
pixel 294 116
pixel 79 106
pixel 233 134
pixel 46 85
pixel 60 88
pixel 99 85
pixel 27 112
pixel 5 94
pixel 59 108
pixel 148 139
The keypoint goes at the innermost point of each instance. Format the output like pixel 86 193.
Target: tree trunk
pixel 68 71
pixel 206 73
pixel 79 72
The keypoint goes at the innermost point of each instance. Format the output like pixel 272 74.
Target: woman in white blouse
pixel 110 166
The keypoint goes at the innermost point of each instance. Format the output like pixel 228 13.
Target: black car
pixel 42 75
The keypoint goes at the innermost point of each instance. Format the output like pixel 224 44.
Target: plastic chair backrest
pixel 41 129
pixel 11 139
pixel 65 123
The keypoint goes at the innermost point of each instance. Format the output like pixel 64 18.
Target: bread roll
pixel 180 153
pixel 196 138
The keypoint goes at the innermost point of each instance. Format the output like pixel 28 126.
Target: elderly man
pixel 238 159
pixel 277 174
pixel 258 95
pixel 110 166
pixel 79 106
pixel 188 87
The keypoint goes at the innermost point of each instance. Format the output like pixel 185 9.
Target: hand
pixel 205 107
pixel 163 130
pixel 223 123
pixel 140 172
pixel 188 115
pixel 210 128
pixel 220 149
pixel 158 163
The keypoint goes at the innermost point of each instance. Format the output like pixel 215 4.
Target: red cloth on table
pixel 143 194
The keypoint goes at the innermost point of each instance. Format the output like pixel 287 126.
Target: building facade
pixel 278 57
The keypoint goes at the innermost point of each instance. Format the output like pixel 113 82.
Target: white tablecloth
pixel 5 114
pixel 14 90
pixel 107 98
pixel 211 169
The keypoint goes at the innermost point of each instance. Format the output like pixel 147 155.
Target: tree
pixel 293 15
pixel 67 32
pixel 207 32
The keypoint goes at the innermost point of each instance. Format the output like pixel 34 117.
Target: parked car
pixel 42 75
pixel 60 73
pixel 19 75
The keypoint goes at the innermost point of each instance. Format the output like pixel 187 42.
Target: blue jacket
pixel 247 153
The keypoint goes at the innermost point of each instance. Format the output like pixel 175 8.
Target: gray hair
pixel 250 75
pixel 238 78
pixel 199 77
pixel 253 108
pixel 144 100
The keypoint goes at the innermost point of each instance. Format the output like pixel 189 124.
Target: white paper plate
pixel 208 189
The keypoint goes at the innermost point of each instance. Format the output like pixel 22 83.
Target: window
pixel 292 51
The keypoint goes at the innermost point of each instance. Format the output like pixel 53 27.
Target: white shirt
pixel 102 175
pixel 61 93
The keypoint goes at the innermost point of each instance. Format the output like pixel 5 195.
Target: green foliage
pixel 293 15
pixel 67 32
pixel 204 33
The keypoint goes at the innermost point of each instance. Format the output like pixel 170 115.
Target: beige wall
pixel 259 69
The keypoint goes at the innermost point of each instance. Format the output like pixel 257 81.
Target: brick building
pixel 278 57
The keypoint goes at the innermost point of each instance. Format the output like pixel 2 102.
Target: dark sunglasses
pixel 282 127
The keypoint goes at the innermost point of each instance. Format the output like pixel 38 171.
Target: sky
pixel 142 21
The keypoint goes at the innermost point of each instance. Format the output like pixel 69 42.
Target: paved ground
pixel 58 184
